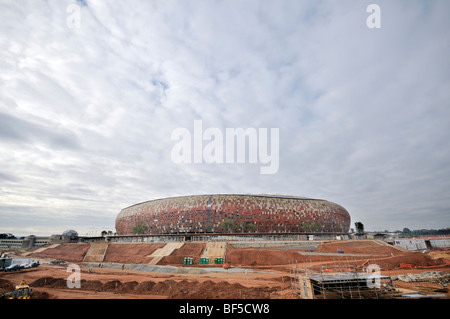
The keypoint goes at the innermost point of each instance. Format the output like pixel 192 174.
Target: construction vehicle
pixel 22 291
pixel 226 266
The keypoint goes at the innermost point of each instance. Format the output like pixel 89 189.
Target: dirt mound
pixel 41 295
pixel 131 253
pixel 144 287
pixel 184 289
pixel 59 283
pixel 91 284
pixel 163 287
pixel 5 286
pixel 110 286
pixel 193 289
pixel 44 281
pixel 219 290
pixel 127 288
pixel 208 283
pixel 50 282
pixel 94 285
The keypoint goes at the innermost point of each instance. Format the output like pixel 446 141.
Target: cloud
pixel 86 114
pixel 18 130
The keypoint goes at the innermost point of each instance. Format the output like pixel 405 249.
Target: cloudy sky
pixel 91 91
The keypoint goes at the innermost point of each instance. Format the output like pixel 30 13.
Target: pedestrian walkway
pixel 215 249
pixel 160 253
pixel 96 252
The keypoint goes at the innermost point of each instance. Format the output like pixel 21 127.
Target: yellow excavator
pixel 23 291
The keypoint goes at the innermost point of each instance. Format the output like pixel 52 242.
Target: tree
pixel 315 226
pixel 104 233
pixel 228 225
pixel 306 227
pixel 406 230
pixel 250 227
pixel 246 227
pixel 311 227
pixel 139 228
pixel 7 236
pixel 359 227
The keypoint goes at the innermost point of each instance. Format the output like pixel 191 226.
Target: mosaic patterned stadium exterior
pixel 204 214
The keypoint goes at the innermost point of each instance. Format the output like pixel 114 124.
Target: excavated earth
pixel 267 275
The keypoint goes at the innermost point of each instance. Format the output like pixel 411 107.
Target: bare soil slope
pixel 131 253
pixel 66 252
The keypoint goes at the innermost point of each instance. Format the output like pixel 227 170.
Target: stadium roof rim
pixel 254 195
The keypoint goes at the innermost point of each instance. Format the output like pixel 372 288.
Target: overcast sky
pixel 91 91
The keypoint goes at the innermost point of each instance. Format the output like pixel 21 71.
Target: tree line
pixel 231 226
pixel 420 232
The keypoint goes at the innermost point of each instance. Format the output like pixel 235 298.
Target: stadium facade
pixel 233 213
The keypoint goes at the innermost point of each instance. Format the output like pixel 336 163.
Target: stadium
pixel 232 247
pixel 233 213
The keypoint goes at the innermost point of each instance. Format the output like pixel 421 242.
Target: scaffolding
pixel 335 280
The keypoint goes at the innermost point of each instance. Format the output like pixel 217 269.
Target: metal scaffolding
pixel 335 280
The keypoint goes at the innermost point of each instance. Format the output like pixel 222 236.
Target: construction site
pixel 233 269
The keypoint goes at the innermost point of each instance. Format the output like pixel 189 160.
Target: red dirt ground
pixel 259 257
pixel 50 281
pixel 386 256
pixel 193 250
pixel 131 253
pixel 357 247
pixel 67 252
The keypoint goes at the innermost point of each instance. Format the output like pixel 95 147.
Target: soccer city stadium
pixel 233 214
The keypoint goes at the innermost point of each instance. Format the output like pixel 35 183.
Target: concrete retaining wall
pixel 441 243
pixel 297 245
pixel 411 244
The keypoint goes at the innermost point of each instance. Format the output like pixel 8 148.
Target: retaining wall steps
pixel 160 253
pixel 96 252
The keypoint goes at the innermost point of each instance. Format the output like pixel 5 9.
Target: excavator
pixel 22 291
